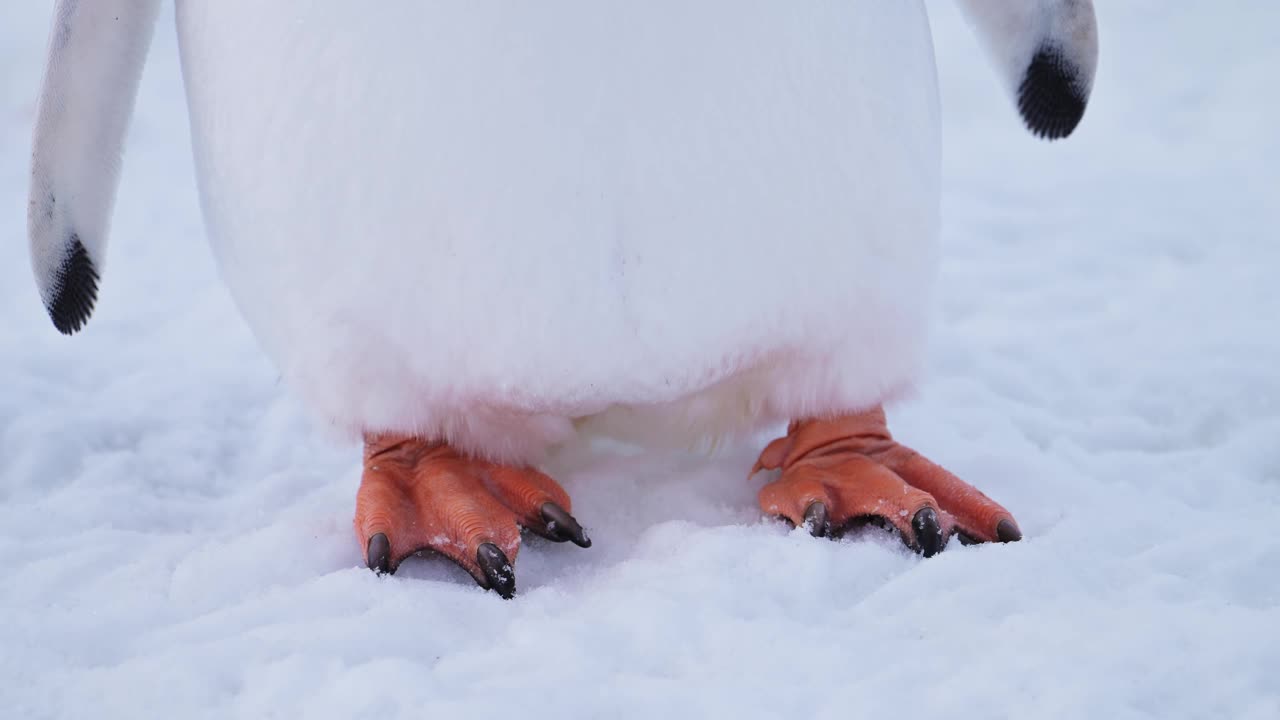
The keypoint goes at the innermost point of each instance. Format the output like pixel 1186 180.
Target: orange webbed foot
pixel 417 495
pixel 845 471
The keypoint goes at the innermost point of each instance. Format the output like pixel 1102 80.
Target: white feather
pixel 97 49
pixel 494 220
pixel 1013 30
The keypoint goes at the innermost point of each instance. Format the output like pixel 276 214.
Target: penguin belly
pixel 498 222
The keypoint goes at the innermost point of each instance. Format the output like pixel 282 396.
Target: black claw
pixel 379 554
pixel 497 570
pixel 928 531
pixel 815 518
pixel 561 526
pixel 1007 532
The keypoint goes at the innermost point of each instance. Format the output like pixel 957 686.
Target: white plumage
pixel 1015 30
pixel 489 220
pixel 89 87
pixel 499 222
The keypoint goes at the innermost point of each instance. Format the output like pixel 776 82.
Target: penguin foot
pixel 417 495
pixel 845 472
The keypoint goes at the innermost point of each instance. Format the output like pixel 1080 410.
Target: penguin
pixel 470 233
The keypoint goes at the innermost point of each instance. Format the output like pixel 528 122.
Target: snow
pixel 176 538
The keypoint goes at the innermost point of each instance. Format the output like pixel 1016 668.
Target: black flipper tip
pixel 75 289
pixel 562 526
pixel 497 570
pixel 1051 97
pixel 378 554
pixel 928 531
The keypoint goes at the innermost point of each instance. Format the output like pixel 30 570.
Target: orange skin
pixel 855 469
pixel 420 495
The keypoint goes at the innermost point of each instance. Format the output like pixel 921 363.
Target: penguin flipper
pixel 1047 52
pixel 96 53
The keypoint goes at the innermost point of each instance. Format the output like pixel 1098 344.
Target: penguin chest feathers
pixel 494 220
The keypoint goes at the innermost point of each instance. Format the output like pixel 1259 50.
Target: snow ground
pixel 176 542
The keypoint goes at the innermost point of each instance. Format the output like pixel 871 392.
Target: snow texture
pixel 176 536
